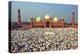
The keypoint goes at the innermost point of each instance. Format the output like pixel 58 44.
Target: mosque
pixel 47 21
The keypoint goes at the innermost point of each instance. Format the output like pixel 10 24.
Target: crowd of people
pixel 35 39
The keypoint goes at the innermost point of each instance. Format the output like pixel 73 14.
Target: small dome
pixel 55 19
pixel 47 17
pixel 38 19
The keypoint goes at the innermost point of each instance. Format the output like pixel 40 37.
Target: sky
pixel 31 9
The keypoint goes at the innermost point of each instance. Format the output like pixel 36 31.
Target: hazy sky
pixel 29 9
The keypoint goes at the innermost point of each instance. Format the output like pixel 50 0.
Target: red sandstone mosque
pixel 47 21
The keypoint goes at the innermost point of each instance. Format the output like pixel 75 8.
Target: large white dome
pixel 38 19
pixel 47 17
pixel 55 19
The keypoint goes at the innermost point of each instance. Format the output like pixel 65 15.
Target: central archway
pixel 48 24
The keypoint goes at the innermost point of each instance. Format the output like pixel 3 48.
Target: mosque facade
pixel 47 21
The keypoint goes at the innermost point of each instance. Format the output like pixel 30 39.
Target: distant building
pixel 47 21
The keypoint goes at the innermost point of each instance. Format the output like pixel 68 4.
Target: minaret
pixel 63 23
pixel 19 18
pixel 32 22
pixel 73 18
